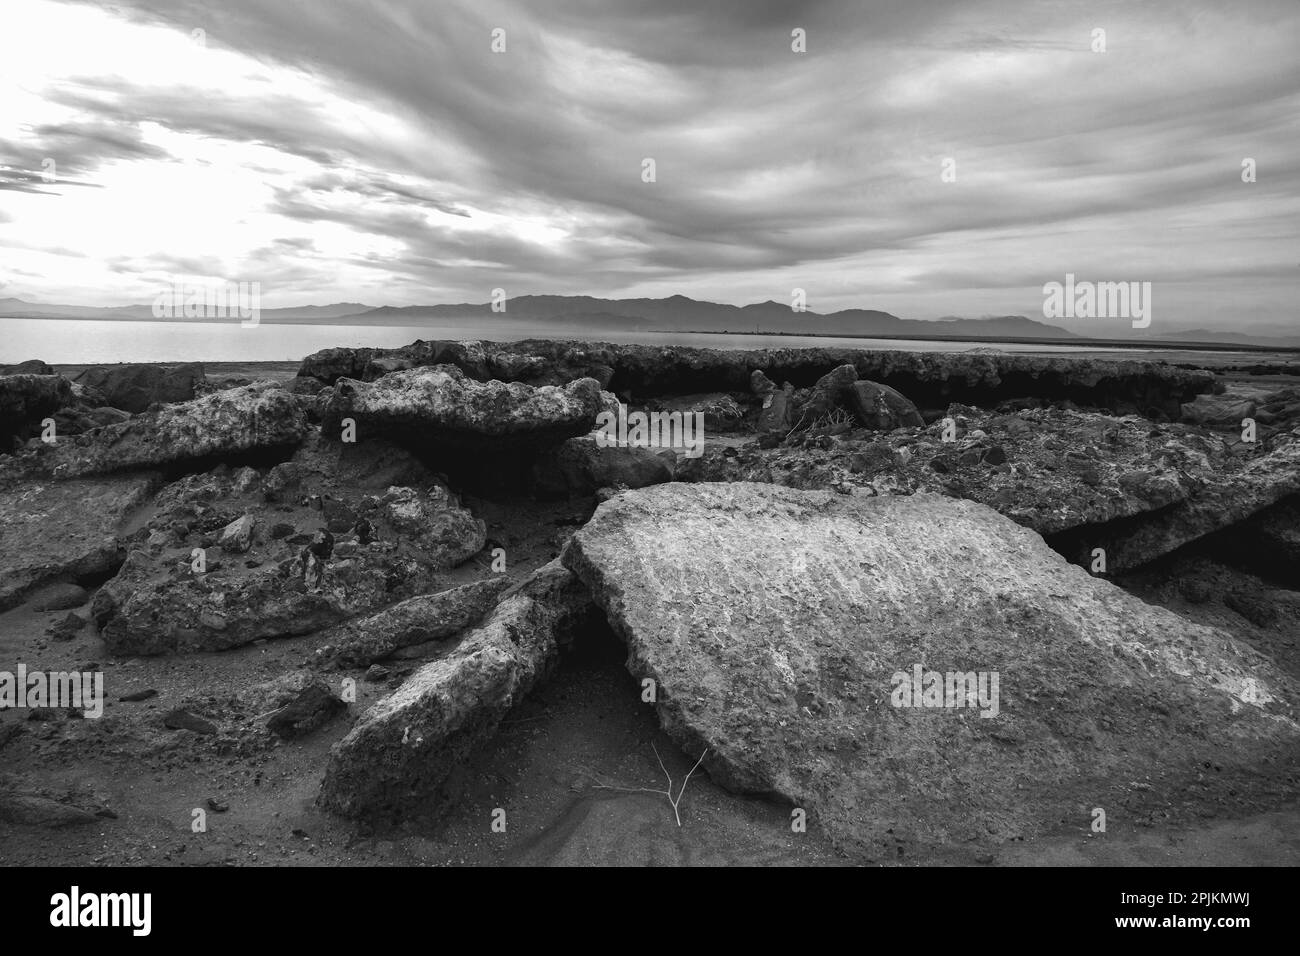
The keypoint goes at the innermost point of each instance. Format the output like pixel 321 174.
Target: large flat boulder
pixel 402 750
pixel 780 627
pixel 66 530
pixel 441 404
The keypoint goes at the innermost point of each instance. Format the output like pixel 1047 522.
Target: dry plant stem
pixel 675 803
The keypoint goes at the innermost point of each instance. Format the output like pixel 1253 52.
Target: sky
pixel 385 153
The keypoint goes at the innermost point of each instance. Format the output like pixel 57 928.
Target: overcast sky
pixel 383 153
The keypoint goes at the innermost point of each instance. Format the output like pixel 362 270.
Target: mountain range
pixel 676 313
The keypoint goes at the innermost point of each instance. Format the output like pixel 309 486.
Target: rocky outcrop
pixel 792 637
pixel 25 401
pixel 65 530
pixel 254 418
pixel 133 388
pixel 230 557
pixel 929 379
pixel 425 617
pixel 1049 469
pixel 1226 498
pixel 440 404
pixel 401 751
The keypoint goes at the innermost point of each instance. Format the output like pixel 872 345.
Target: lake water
pixel 88 341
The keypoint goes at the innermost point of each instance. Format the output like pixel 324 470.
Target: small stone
pixel 237 537
pixel 180 719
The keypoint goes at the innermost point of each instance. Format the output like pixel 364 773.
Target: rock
pixel 404 748
pixel 781 626
pixel 60 597
pixel 1218 411
pixel 54 531
pixel 403 539
pixel 34 810
pixel 930 379
pixel 579 466
pixel 29 367
pixel 261 416
pixel 136 697
pixel 181 719
pixel 760 384
pixel 1231 494
pixel 721 412
pixel 309 708
pixel 441 404
pixel 1083 479
pixel 26 401
pixel 237 537
pixel 1195 590
pixel 774 417
pixel 829 394
pixel 68 628
pixel 375 673
pixel 882 408
pixel 134 388
pixel 994 455
pixel 1270 542
pixel 425 617
pixel 1254 607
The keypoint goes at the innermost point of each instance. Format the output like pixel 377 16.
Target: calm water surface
pixel 84 341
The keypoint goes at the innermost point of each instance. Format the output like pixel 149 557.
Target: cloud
pixel 394 140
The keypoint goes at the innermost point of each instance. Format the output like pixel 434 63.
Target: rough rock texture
pixel 774 415
pixel 721 411
pixel 930 379
pixel 441 404
pixel 882 408
pixel 773 622
pixel 1218 411
pixel 1232 496
pixel 255 417
pixel 1053 470
pixel 134 388
pixel 579 467
pixel 65 530
pixel 425 617
pixel 404 748
pixel 326 541
pixel 294 704
pixel 27 399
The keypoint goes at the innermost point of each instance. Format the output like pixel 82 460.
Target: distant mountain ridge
pixel 677 313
